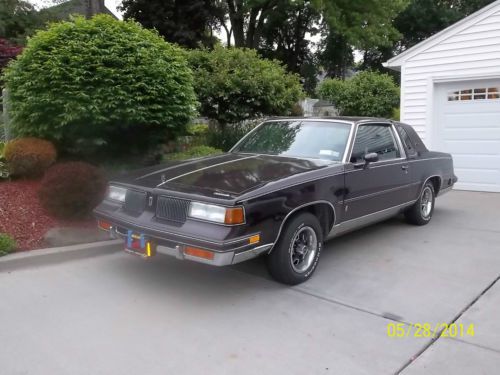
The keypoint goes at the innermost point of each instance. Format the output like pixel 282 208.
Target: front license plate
pixel 139 244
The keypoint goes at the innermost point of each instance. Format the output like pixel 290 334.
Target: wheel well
pixel 324 212
pixel 436 183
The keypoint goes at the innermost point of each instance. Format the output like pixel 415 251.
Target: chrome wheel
pixel 426 202
pixel 303 249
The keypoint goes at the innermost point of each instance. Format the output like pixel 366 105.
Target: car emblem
pixel 151 201
pixel 163 178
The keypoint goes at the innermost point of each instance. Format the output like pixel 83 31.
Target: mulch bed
pixel 22 217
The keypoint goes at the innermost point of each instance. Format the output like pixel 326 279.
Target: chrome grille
pixel 172 209
pixel 135 202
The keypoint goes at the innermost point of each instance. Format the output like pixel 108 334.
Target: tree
pixel 236 84
pixel 362 22
pixel 366 94
pixel 18 19
pixel 100 82
pixel 335 54
pixel 284 34
pixel 187 22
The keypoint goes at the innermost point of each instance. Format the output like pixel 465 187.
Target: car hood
pixel 223 176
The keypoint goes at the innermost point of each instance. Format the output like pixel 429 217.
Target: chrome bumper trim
pixel 252 253
pixel 220 258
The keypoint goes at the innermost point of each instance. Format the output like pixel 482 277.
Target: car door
pixel 377 186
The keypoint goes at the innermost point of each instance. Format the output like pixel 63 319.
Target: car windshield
pixel 304 139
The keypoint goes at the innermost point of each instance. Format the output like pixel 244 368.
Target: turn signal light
pixel 234 215
pixel 199 253
pixel 254 239
pixel 104 225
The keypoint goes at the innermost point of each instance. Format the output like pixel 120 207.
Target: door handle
pixel 404 167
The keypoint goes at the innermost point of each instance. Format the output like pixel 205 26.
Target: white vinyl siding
pixel 471 51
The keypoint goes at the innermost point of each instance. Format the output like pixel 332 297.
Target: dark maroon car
pixel 285 188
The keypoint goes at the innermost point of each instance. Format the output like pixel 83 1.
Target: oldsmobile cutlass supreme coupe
pixel 285 188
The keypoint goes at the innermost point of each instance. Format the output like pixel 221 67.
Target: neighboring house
pixel 316 107
pixel 450 94
pixel 324 108
pixel 87 8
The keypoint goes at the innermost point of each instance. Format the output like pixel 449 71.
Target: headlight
pixel 117 193
pixel 217 214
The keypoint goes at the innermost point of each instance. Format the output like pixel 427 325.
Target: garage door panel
pixel 472 134
pixel 478 176
pixel 468 127
pixel 458 147
pixel 481 119
pixel 476 161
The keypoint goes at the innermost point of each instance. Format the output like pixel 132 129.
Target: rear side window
pixel 374 138
pixel 406 141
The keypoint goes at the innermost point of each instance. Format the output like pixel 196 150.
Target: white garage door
pixel 468 127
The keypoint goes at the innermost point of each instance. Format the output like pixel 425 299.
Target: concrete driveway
pixel 112 313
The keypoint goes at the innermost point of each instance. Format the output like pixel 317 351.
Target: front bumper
pixel 224 254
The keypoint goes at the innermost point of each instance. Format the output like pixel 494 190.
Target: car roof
pixel 353 119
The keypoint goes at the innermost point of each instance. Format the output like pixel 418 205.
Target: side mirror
pixel 372 157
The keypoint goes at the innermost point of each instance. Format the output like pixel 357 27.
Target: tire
pixel 296 254
pixel 421 212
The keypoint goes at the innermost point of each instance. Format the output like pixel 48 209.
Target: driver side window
pixel 374 138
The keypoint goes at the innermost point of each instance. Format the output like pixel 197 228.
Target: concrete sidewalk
pixel 117 314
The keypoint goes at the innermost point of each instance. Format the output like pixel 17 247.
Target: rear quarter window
pixel 406 141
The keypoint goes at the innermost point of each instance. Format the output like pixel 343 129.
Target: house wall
pixel 472 52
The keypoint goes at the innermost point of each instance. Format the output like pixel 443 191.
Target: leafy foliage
pixel 366 94
pixel 100 84
pixel 194 152
pixel 186 22
pixel 7 244
pixel 4 171
pixel 72 190
pixel 29 157
pixel 235 84
pixel 18 19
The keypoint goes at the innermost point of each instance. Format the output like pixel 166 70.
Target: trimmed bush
pixel 366 94
pixel 29 157
pixel 235 84
pixel 72 190
pixel 100 84
pixel 193 152
pixel 7 244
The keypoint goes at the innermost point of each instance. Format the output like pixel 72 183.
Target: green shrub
pixel 226 138
pixel 29 157
pixel 197 130
pixel 234 84
pixel 194 152
pixel 72 190
pixel 366 94
pixel 100 84
pixel 7 244
pixel 396 114
pixel 4 171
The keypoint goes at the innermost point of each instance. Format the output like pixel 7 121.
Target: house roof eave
pixel 397 61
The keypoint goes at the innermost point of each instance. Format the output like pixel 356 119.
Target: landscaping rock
pixel 63 236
